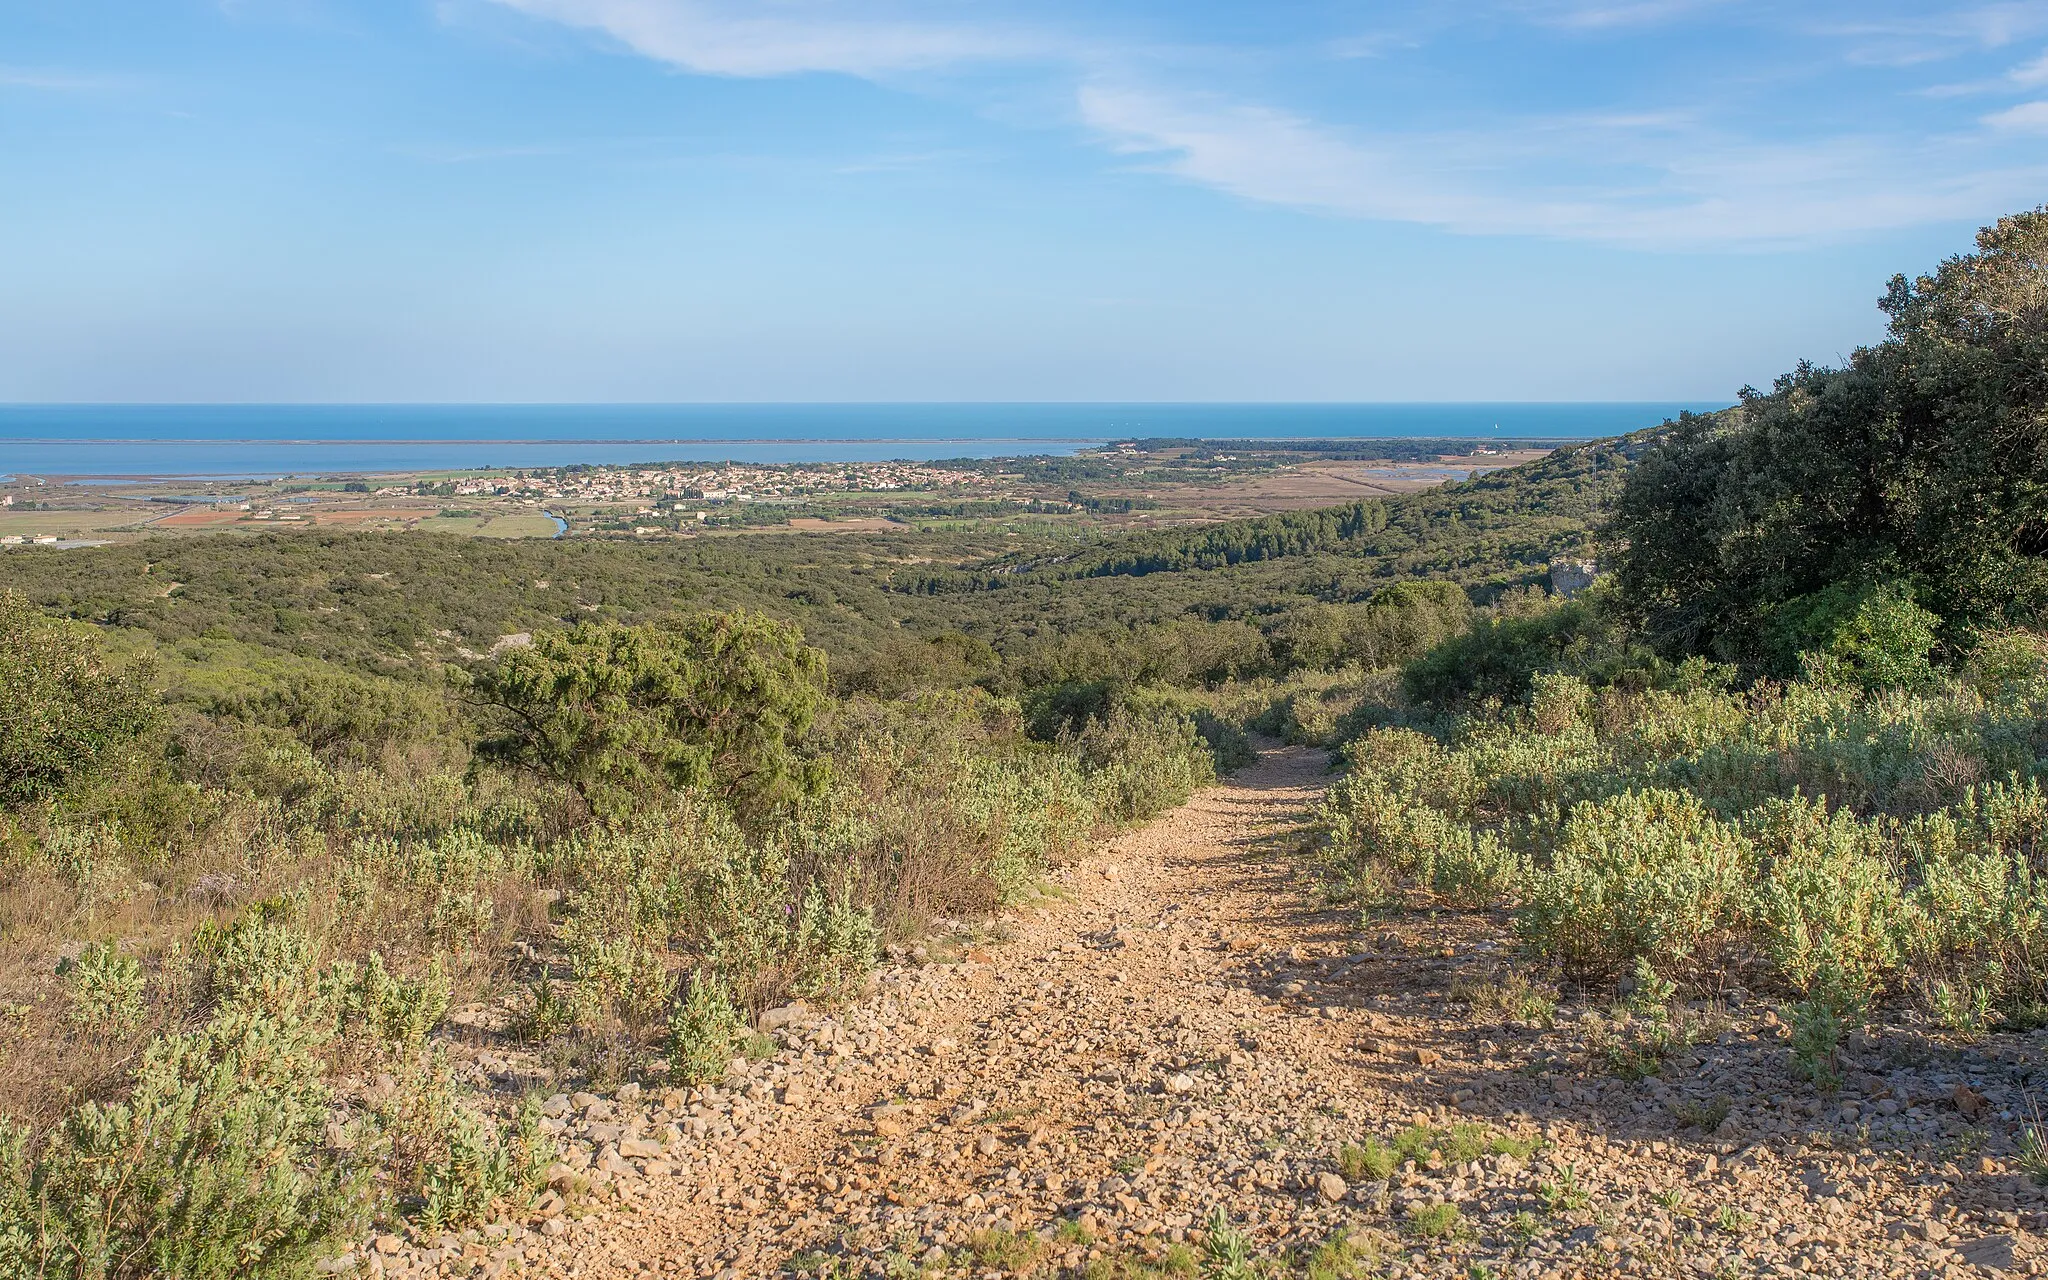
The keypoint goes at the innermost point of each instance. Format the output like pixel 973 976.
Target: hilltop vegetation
pixel 1919 469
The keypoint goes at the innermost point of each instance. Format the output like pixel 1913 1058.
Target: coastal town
pixel 729 482
pixel 1122 484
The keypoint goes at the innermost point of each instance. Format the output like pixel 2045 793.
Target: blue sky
pixel 973 199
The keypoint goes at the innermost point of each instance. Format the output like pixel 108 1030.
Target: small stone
pixel 1970 1102
pixel 1179 1082
pixel 388 1244
pixel 1993 1253
pixel 1425 1057
pixel 548 1206
pixel 1331 1187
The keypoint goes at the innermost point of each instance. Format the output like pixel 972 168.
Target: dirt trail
pixel 1183 1027
pixel 1081 1062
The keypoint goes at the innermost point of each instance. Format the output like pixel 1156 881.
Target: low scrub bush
pixel 1140 763
pixel 704 1031
pixel 1829 908
pixel 1649 875
pixel 451 1165
pixel 1841 842
pixel 214 1166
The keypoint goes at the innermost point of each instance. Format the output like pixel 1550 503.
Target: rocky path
pixel 1183 1029
pixel 1079 1056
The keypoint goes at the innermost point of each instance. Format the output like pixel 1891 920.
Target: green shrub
pixel 1646 875
pixel 213 1168
pixel 1499 655
pixel 834 948
pixel 1411 763
pixel 1873 636
pixel 720 701
pixel 1979 907
pixel 1817 1029
pixel 1229 748
pixel 704 1031
pixel 1478 870
pixel 1368 824
pixel 65 711
pixel 1829 906
pixel 260 960
pixel 106 990
pixel 389 1011
pixel 1139 763
pixel 451 1165
pixel 484 1169
pixel 2009 665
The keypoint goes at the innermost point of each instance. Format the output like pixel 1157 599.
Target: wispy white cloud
pixel 1604 16
pixel 1934 33
pixel 2030 73
pixel 49 80
pixel 2027 117
pixel 1627 181
pixel 479 155
pixel 738 38
pixel 1659 177
pixel 2027 75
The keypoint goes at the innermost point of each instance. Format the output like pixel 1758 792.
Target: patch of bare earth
pixel 1185 1027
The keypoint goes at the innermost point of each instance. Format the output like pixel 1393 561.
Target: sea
pixel 87 443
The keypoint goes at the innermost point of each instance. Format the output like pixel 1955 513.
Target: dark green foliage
pixel 65 710
pixel 1874 636
pixel 718 701
pixel 1924 462
pixel 1498 655
pixel 342 715
pixel 903 663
